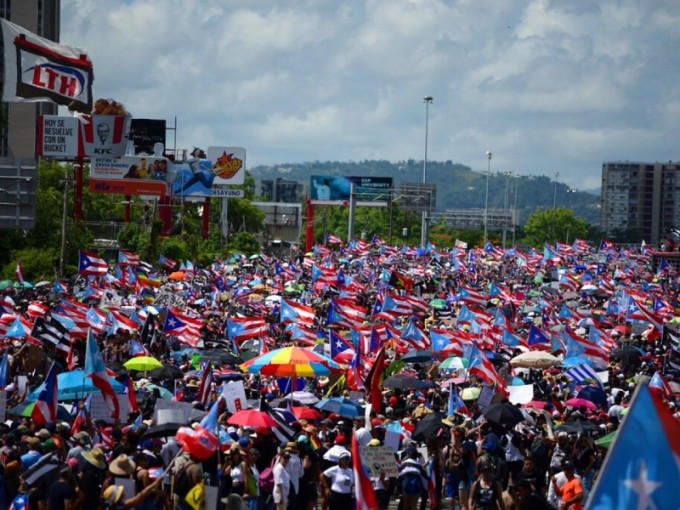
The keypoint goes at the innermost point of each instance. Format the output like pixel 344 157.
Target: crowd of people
pixel 604 311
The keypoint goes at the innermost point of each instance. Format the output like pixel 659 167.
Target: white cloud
pixel 547 85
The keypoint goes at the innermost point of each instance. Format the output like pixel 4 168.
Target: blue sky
pixel 546 86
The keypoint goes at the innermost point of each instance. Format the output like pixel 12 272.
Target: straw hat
pixel 122 465
pixel 95 457
pixel 113 494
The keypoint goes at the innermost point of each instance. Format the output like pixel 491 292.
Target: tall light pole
pixel 486 201
pixel 505 207
pixel 424 231
pixel 514 220
pixel 554 211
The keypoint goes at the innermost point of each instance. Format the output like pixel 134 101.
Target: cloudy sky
pixel 546 85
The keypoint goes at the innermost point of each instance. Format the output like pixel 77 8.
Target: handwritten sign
pixel 162 404
pixel 235 396
pixel 99 410
pixel 379 458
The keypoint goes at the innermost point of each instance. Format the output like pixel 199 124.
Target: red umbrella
pixel 306 413
pixel 252 418
pixel 199 442
pixel 578 402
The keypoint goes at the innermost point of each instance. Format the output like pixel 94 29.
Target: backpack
pixel 182 483
pixel 412 485
pixel 455 464
pixel 267 478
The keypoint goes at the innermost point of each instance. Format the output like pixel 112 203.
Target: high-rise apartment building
pixel 19 136
pixel 640 198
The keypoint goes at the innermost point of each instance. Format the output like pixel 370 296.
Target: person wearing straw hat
pixel 92 475
pixel 113 496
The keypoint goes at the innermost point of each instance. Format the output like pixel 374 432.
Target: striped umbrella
pixel 292 362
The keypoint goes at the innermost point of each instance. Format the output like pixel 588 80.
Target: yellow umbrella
pixel 142 364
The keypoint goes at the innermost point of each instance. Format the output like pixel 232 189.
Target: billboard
pixel 58 137
pixel 131 175
pixel 145 133
pixel 334 188
pixel 86 136
pixel 204 173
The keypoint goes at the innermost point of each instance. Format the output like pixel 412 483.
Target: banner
pixel 38 70
pixel 379 458
pixel 58 137
pixel 334 187
pixel 196 176
pixel 130 175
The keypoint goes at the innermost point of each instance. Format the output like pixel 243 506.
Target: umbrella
pixel 342 406
pixel 536 404
pixel 581 402
pixel 164 430
pixel 593 393
pixel 220 357
pixel 417 356
pixel 454 363
pixel 578 427
pixel 470 393
pixel 627 354
pixel 167 372
pixel 438 303
pixel 251 345
pixel 292 362
pixel 606 441
pixel 304 397
pixel 305 413
pixel 199 442
pixel 404 382
pixel 502 413
pixel 534 359
pixel 26 408
pixel 252 418
pixel 142 363
pixel 117 368
pixel 5 283
pixel 165 393
pixel 177 275
pixel 74 385
pixel 428 426
pixel 23 285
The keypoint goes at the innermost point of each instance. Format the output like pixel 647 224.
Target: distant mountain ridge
pixel 458 186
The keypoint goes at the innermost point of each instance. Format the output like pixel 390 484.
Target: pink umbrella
pixel 578 402
pixel 536 404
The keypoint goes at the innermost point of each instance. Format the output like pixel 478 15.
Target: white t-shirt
pixel 342 479
pixel 281 477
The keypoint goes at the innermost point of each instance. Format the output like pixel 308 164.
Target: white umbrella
pixel 304 397
pixel 333 453
pixel 535 359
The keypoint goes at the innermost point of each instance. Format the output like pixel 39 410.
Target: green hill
pixel 458 187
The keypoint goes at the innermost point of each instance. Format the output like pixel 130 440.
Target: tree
pixel 553 225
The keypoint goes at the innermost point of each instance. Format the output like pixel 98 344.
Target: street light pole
pixel 424 231
pixel 554 211
pixel 486 201
pixel 505 207
pixel 514 219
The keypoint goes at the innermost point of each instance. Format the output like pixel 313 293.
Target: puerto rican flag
pixel 126 258
pixel 659 384
pixel 481 367
pixel 45 409
pixel 91 264
pixel 205 390
pixel 96 370
pixel 244 328
pixel 333 239
pixel 364 494
pixel 20 272
pixel 292 311
pixel 167 262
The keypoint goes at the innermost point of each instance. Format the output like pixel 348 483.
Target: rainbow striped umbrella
pixel 292 362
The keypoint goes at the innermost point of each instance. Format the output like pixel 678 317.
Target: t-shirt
pixel 58 493
pixel 342 479
pixel 570 489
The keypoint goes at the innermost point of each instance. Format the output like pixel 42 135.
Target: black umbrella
pixel 164 430
pixel 627 354
pixel 428 426
pixel 118 368
pixel 220 357
pixel 47 465
pixel 166 372
pixel 417 356
pixel 578 427
pixel 502 413
pixel 405 382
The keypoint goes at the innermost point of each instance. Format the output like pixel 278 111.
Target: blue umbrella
pixel 342 406
pixel 74 385
pixel 417 356
pixel 593 393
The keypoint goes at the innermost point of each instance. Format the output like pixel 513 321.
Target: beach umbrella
pixel 404 382
pixel 535 359
pixel 166 372
pixel 177 275
pixel 142 363
pixel 342 406
pixel 74 385
pixel 26 409
pixel 428 426
pixel 417 356
pixel 292 362
pixel 581 402
pixel 453 363
pixel 252 418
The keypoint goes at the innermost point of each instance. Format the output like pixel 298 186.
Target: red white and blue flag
pixel 364 494
pixel 45 408
pixel 96 370
pixel 91 264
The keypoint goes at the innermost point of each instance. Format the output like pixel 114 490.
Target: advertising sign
pixel 105 135
pixel 334 188
pixel 130 175
pixel 196 176
pixel 58 136
pixel 145 133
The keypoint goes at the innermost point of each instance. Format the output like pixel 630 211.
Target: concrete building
pixel 19 137
pixel 641 199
